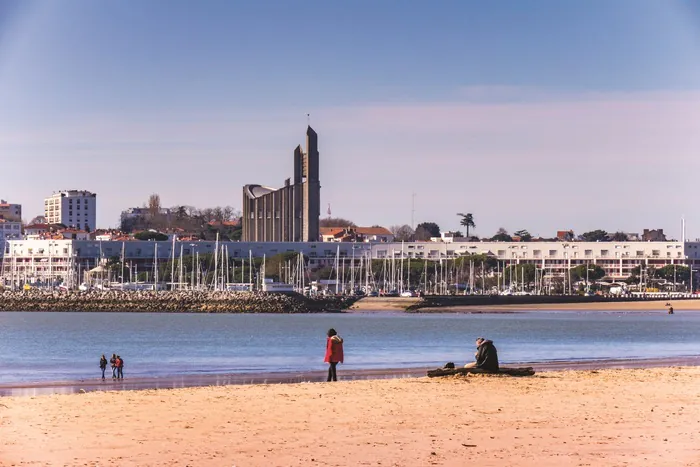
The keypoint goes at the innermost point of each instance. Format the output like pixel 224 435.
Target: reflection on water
pixel 67 346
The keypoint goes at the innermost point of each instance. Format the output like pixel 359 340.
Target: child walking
pixel 334 353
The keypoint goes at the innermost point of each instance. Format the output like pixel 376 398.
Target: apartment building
pixel 10 212
pixel 72 208
pixel 43 259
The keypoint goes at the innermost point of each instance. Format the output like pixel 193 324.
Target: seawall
pixel 172 302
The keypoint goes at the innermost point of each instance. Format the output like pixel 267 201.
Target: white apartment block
pixel 73 208
pixel 9 211
pixel 44 259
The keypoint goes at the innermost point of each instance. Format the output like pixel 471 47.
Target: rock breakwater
pixel 168 302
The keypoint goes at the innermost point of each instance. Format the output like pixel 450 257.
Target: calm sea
pixel 67 346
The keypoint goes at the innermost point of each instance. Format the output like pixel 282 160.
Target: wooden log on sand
pixel 464 371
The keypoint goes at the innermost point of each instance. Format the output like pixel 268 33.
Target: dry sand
pixel 651 305
pixel 643 417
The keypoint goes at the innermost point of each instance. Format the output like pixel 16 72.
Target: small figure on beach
pixel 103 365
pixel 120 367
pixel 670 310
pixel 113 362
pixel 486 356
pixel 334 353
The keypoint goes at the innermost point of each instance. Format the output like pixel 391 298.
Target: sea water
pixel 38 346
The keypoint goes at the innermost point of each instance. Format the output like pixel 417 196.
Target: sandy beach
pixel 645 417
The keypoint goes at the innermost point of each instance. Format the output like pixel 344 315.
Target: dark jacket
pixel 487 357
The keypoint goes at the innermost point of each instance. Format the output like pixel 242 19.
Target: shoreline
pixel 692 305
pixel 251 379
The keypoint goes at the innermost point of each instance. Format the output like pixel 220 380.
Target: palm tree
pixel 467 221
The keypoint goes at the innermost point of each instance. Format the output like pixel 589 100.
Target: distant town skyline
pixel 542 116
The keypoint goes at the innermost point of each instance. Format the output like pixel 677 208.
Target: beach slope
pixel 645 417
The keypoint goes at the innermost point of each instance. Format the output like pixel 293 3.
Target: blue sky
pixel 540 115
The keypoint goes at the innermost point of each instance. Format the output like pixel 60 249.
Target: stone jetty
pixel 168 301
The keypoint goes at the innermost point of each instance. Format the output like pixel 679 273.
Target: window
pixel 603 253
pixel 552 252
pixel 655 252
pixel 639 253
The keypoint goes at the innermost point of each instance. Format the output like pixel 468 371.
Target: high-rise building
pixel 10 212
pixel 72 208
pixel 291 213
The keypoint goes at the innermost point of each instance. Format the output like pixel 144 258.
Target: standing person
pixel 120 367
pixel 334 353
pixel 113 362
pixel 103 366
pixel 486 356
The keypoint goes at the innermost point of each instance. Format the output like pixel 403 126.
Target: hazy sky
pixel 544 115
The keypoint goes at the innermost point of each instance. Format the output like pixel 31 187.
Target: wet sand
pixel 203 380
pixel 651 305
pixel 647 417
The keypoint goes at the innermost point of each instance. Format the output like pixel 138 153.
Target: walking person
pixel 334 353
pixel 103 366
pixel 113 362
pixel 120 367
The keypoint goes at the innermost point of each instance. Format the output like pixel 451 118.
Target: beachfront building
pixel 72 208
pixel 290 213
pixel 59 260
pixel 10 212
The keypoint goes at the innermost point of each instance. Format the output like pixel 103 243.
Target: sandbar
pixel 645 417
pixel 646 305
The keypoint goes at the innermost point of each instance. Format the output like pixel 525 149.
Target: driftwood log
pixel 463 371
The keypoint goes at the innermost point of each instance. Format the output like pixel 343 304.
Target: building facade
pixel 73 208
pixel 291 213
pixel 43 260
pixel 10 212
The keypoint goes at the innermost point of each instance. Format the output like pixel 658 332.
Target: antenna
pixel 308 119
pixel 683 229
pixel 329 210
pixel 413 210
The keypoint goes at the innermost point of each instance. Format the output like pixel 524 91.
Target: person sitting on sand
pixel 103 365
pixel 334 353
pixel 486 356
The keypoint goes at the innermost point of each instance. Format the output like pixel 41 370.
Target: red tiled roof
pixel 373 231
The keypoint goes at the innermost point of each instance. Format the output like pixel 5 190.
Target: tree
pixel 619 237
pixel 502 236
pixel 595 236
pixel 595 272
pixel 150 235
pixel 519 271
pixel 426 230
pixel 674 273
pixel 524 235
pixel 466 221
pixel 154 204
pixel 402 233
pixel 336 222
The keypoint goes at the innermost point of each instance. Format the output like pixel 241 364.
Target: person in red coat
pixel 334 353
